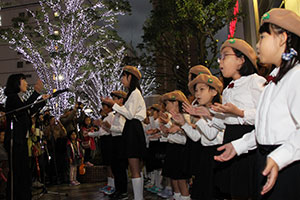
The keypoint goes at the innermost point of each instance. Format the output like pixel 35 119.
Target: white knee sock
pixel 176 196
pixel 137 188
pixel 186 197
pixel 158 178
pixel 110 181
pixel 152 177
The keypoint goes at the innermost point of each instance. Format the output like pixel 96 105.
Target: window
pixel 19 64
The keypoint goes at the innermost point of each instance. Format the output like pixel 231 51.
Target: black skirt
pixel 134 142
pixel 106 149
pixel 195 152
pixel 154 156
pixel 175 162
pixel 288 180
pixel 236 177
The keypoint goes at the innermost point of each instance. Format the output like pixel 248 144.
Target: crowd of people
pixel 232 140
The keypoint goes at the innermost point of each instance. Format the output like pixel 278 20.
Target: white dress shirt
pixel 134 107
pixel 244 95
pixel 179 137
pixel 209 135
pixel 109 118
pixel 277 120
pixel 154 124
pixel 117 125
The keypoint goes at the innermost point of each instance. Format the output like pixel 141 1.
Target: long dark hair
pixel 293 41
pixel 248 67
pixel 134 83
pixel 13 84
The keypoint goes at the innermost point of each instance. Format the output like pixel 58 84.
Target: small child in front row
pixel 207 90
pixel 176 153
pixel 276 135
pixel 196 147
pixel 75 156
pixel 155 150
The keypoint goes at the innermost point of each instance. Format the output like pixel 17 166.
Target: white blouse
pixel 277 120
pixel 154 124
pixel 177 138
pixel 117 125
pixel 109 118
pixel 209 135
pixel 244 95
pixel 134 107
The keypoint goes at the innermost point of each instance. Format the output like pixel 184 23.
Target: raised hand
pixel 228 108
pixel 200 111
pixel 38 86
pixel 189 108
pixel 46 96
pixel 164 129
pixel 163 118
pixel 271 171
pixel 108 101
pixel 174 129
pixel 106 125
pixel 97 122
pixel 178 118
pixel 228 154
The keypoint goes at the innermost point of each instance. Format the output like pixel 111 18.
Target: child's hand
pixel 178 118
pixel 71 161
pixel 106 125
pixel 228 108
pixel 108 101
pixel 174 129
pixel 164 129
pixel 227 154
pixel 97 122
pixel 150 132
pixel 163 118
pixel 189 108
pixel 271 171
pixel 82 160
pixel 200 111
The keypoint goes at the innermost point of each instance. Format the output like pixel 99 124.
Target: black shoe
pixel 118 196
pixel 123 196
pixel 114 195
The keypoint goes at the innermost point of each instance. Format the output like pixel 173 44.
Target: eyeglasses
pixel 222 57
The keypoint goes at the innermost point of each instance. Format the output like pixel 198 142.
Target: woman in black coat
pixel 16 84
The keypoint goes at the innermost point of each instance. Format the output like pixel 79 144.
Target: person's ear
pixel 282 38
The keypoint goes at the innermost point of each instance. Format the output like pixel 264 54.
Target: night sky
pixel 130 27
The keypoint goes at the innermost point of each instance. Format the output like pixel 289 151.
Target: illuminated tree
pixel 69 37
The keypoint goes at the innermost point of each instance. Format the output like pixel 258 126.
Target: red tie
pixel 270 78
pixel 231 85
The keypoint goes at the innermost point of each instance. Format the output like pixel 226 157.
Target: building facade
pixel 11 62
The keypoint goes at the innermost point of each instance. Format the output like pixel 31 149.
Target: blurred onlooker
pixel 3 165
pixel 88 143
pixel 75 156
pixel 70 120
pixel 2 118
pixel 56 137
